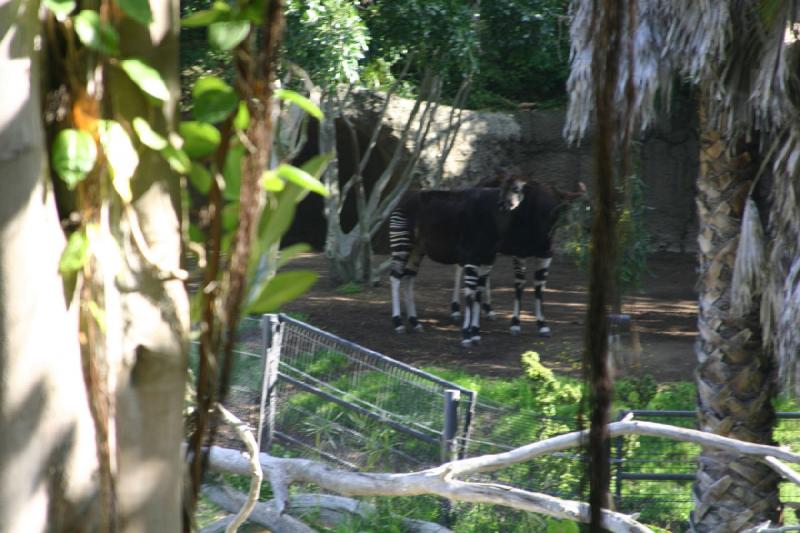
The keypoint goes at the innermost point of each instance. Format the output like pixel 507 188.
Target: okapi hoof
pixel 544 329
pixel 455 316
pixel 488 312
pixel 515 330
pixel 475 336
pixel 415 325
pixel 466 338
pixel 491 315
pixel 399 327
pixel 466 343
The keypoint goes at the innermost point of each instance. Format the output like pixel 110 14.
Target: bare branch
pixel 263 514
pixel 256 474
pixel 431 481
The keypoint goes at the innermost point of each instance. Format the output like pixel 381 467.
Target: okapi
pixel 530 234
pixel 451 227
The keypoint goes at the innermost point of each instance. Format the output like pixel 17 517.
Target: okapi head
pixel 512 192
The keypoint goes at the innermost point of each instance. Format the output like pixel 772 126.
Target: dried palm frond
pixel 748 272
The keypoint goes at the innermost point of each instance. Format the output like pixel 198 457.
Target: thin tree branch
pixel 256 474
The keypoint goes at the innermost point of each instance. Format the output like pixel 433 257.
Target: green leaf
pixel 75 254
pixel 271 182
pixel 146 77
pixel 230 217
pixel 200 138
pixel 254 12
pixel 317 164
pixel 95 34
pixel 232 172
pixel 121 156
pixel 73 155
pixel 275 221
pixel 148 135
pixel 61 8
pixel 290 252
pixel 242 119
pixel 138 10
pixel 202 18
pixel 283 288
pixel 301 101
pixel 177 159
pixel 302 178
pixel 213 99
pixel 228 34
pixel 200 178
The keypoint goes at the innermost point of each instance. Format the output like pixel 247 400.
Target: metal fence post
pixel 618 442
pixel 450 446
pixel 271 337
pixel 450 430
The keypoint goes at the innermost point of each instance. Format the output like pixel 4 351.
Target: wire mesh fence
pixel 342 402
pixel 497 428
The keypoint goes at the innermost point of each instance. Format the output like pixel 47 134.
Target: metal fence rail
pixel 356 406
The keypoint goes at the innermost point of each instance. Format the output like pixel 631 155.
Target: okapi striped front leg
pixel 470 329
pixel 541 269
pixel 520 268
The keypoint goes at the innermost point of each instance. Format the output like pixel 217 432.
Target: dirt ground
pixel 665 313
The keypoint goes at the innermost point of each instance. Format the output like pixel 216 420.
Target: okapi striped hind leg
pixel 470 329
pixel 455 301
pixel 520 269
pixel 400 244
pixel 542 268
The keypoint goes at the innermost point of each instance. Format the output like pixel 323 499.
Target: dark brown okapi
pixel 451 227
pixel 529 234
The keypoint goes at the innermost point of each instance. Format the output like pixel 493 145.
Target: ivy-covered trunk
pixel 735 381
pixel 155 316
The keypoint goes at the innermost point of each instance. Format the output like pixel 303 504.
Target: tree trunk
pixel 735 378
pixel 151 376
pixel 47 453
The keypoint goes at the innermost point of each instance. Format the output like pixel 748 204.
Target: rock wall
pixel 531 142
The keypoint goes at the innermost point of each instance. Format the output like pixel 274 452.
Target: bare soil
pixel 664 312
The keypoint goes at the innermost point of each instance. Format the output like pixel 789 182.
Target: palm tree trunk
pixel 735 375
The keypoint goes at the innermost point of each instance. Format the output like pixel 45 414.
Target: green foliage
pixel 226 35
pixel 301 101
pixel 72 155
pixel 75 254
pixel 633 237
pixel 438 33
pixel 530 62
pixel 213 99
pixel 327 38
pixel 200 138
pixel 351 287
pixel 138 10
pixel 96 34
pixel 146 77
pixel 282 288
